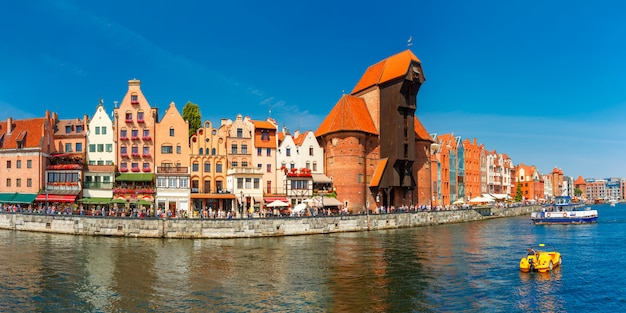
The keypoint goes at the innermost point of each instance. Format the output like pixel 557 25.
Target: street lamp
pixel 241 206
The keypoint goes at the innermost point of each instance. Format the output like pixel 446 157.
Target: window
pixel 268 152
pixel 79 147
pixel 123 166
pixel 161 182
pixel 233 149
pixel 308 165
pixel 311 151
pixel 68 129
pixel 218 167
pixel 207 167
pixel 178 149
pixel 248 183
pixel 166 149
pixel 129 116
pixel 259 151
pixel 18 182
pixel 18 164
pixel 8 164
pixel 109 147
pixel 146 165
pixel 269 168
pixel 234 164
pixel 213 151
pixel 146 150
pixel 239 132
pixel 123 133
pixel 244 164
pixel 134 99
pixel 79 128
pixel 29 182
pixel 194 167
pixel 100 147
pixel 171 131
pixel 146 133
pixel 184 182
pixel 97 130
pixel 171 182
pixel 239 183
pixel 8 182
pixel 123 150
pixel 104 130
pixel 265 135
pixel 68 147
pixel 92 147
pixel 256 183
pixel 100 162
pixel 135 150
pixel 135 133
pixel 244 149
pixel 200 152
pixel 314 166
pixel 140 116
pixel 135 165
pixel 288 151
pixel 29 163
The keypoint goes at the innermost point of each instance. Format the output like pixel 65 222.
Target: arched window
pixel 201 151
pixel 213 151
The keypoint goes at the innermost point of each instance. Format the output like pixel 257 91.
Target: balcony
pixel 132 191
pixel 172 170
pixel 65 167
pixel 146 169
pixel 135 169
pixel 124 138
pixel 146 138
pixel 244 170
pixel 98 185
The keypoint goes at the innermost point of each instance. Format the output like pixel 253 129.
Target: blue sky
pixel 541 81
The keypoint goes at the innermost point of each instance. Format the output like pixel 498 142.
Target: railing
pixel 129 120
pixel 147 155
pixel 134 138
pixel 97 185
pixel 124 138
pixel 172 170
pixel 135 155
pixel 146 138
pixel 245 170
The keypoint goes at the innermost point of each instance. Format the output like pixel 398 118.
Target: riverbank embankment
pixel 244 228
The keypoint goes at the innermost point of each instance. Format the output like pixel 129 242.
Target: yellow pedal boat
pixel 540 261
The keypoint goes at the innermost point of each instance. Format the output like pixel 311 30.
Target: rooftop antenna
pixel 409 42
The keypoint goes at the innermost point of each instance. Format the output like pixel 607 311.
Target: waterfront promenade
pixel 245 228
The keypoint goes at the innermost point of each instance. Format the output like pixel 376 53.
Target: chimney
pixel 9 125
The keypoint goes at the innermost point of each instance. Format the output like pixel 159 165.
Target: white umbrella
pixel 299 208
pixel 458 202
pixel 277 203
pixel 481 199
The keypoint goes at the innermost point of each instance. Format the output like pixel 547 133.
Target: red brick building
pixel 375 148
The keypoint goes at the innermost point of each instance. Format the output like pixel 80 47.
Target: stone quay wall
pixel 244 228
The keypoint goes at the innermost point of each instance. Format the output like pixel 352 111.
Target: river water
pixel 468 267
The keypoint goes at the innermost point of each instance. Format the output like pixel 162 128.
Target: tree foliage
pixel 578 192
pixel 191 113
pixel 518 193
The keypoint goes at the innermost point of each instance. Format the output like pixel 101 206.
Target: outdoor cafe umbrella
pixel 277 203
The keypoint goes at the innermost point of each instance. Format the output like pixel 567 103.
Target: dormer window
pixel 134 99
pixel 68 129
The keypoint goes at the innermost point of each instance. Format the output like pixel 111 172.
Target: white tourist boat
pixel 562 211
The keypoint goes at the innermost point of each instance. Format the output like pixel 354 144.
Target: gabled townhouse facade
pixel 472 168
pixel 243 179
pixel 64 174
pixel 134 123
pixel 99 173
pixel 24 149
pixel 208 159
pixel 530 182
pixel 171 159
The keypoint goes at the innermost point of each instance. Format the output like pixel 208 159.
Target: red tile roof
pixel 30 130
pixel 264 125
pixel 349 114
pixel 580 181
pixel 388 69
pixel 420 131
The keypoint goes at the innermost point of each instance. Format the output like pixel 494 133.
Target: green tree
pixel 191 114
pixel 578 192
pixel 518 193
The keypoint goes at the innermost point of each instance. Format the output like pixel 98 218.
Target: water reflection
pixel 465 267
